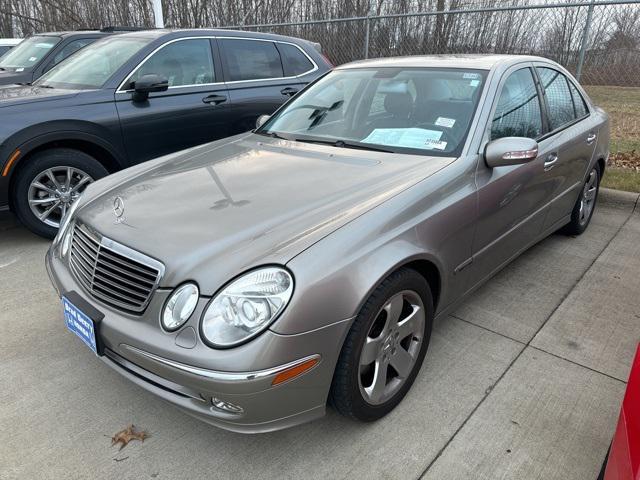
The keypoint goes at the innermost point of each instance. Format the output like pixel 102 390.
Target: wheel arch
pixel 87 143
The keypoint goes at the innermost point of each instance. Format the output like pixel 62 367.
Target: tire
pixel 27 199
pixel 354 391
pixel 580 218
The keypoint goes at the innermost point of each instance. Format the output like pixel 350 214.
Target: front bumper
pixel 189 374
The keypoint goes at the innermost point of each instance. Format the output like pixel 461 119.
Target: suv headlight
pixel 246 306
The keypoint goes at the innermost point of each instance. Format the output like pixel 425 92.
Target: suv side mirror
pixel 147 84
pixel 261 120
pixel 510 151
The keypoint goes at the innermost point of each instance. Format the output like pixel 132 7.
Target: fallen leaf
pixel 126 435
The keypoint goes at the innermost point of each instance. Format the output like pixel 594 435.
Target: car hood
pixel 214 211
pixel 22 94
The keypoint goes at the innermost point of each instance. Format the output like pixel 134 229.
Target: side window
pixel 518 111
pixel 182 63
pixel 558 97
pixel 294 62
pixel 69 49
pixel 4 49
pixel 251 59
pixel 578 101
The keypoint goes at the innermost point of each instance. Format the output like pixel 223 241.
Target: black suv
pixel 135 96
pixel 38 54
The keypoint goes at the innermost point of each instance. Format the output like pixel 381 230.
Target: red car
pixel 624 456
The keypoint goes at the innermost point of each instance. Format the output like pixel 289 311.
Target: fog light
pixel 227 407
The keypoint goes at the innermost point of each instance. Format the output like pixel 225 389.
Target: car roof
pixel 475 61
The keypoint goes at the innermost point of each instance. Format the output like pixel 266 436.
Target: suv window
pixel 4 49
pixel 294 62
pixel 518 111
pixel 251 59
pixel 558 97
pixel 578 101
pixel 182 63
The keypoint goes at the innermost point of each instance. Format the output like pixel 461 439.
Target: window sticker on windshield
pixel 470 76
pixel 436 144
pixel 403 137
pixel 474 83
pixel 33 59
pixel 21 69
pixel 445 122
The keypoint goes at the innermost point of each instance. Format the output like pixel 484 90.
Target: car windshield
pixel 28 52
pixel 93 65
pixel 405 110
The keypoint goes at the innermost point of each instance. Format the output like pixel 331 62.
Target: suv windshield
pixel 28 52
pixel 405 110
pixel 92 66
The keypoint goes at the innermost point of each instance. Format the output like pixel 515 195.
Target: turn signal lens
pixel 295 371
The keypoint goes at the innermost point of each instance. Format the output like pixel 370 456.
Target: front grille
pixel 113 273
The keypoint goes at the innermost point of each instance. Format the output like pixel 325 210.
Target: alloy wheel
pixel 588 198
pixel 53 190
pixel 392 347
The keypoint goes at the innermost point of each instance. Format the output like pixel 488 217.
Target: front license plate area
pixel 83 320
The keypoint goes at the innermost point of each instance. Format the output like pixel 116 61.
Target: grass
pixel 623 106
pixel 622 179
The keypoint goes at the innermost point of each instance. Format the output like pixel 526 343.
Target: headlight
pixel 247 306
pixel 180 306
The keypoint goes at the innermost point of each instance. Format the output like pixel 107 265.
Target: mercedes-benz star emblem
pixel 118 209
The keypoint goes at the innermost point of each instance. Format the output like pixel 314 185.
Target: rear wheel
pixel 384 349
pixel 585 205
pixel 48 184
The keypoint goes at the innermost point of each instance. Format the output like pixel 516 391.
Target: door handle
pixel 591 138
pixel 215 99
pixel 289 91
pixel 550 162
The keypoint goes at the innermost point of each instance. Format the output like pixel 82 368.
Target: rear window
pixel 251 59
pixel 294 61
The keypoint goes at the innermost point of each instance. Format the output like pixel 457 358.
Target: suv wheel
pixel 48 184
pixel 384 349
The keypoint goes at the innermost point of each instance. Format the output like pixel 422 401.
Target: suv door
pixel 256 79
pixel 574 137
pixel 194 110
pixel 511 199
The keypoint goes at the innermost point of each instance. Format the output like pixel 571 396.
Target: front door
pixel 511 199
pixel 192 111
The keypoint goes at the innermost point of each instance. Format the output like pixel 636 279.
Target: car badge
pixel 118 209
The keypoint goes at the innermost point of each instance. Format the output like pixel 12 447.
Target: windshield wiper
pixel 44 86
pixel 343 144
pixel 271 134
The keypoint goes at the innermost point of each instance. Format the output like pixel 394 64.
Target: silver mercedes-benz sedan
pixel 254 280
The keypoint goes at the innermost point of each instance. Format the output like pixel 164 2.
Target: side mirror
pixel 148 84
pixel 510 151
pixel 261 120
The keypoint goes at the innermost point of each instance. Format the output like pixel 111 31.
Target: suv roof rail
pixel 112 28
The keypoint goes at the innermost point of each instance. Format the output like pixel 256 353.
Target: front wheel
pixel 384 349
pixel 585 205
pixel 48 184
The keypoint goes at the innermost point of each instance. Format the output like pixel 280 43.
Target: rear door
pixel 257 81
pixel 572 131
pixel 194 110
pixel 511 199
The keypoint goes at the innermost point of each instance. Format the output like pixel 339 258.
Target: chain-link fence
pixel 599 41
